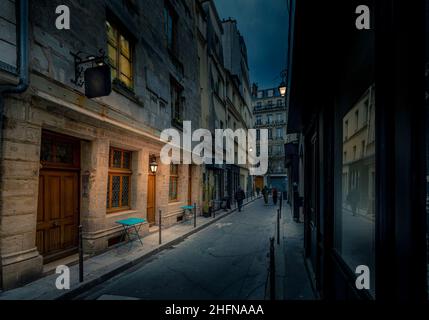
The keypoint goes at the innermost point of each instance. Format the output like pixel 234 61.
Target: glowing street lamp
pixel 282 89
pixel 153 165
pixel 282 86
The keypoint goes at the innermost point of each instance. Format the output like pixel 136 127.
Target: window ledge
pixel 121 213
pixel 120 88
pixel 178 124
pixel 175 202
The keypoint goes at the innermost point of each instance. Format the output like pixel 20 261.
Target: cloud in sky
pixel 264 26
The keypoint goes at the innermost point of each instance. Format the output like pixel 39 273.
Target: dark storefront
pixel 292 166
pixel 357 100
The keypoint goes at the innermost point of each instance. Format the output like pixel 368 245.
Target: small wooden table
pixel 131 226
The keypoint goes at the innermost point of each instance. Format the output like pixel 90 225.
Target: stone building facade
pixel 225 99
pixel 68 160
pixel 269 109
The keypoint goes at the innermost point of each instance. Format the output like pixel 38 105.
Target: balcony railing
pixel 269 107
pixel 270 123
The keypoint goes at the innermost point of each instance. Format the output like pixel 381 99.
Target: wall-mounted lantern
pixel 282 89
pixel 282 86
pixel 153 165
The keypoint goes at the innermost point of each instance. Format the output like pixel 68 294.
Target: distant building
pixel 269 112
pixel 225 98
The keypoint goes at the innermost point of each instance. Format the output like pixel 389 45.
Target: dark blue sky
pixel 264 25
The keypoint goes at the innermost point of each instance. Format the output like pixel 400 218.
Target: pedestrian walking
pixel 353 199
pixel 275 196
pixel 239 197
pixel 265 194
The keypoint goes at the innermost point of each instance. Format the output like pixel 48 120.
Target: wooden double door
pixel 58 202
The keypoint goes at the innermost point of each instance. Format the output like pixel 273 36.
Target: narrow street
pixel 228 260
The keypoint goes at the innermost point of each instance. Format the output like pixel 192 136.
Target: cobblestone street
pixel 227 260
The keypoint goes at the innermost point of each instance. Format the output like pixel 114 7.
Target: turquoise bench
pixel 131 226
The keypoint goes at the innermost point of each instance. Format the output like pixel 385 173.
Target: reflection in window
pixel 356 217
pixel 427 164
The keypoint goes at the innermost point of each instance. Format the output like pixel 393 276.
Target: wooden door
pixel 58 212
pixel 151 199
pixel 58 203
pixel 259 183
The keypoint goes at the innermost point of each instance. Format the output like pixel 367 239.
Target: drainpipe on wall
pixel 23 53
pixel 23 57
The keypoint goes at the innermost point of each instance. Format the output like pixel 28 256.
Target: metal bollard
pixel 272 271
pixel 159 227
pixel 281 205
pixel 195 215
pixel 80 254
pixel 278 226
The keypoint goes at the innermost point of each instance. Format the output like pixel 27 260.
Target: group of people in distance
pixel 240 196
pixel 266 192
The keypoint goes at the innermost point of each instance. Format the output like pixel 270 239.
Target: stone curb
pixel 86 285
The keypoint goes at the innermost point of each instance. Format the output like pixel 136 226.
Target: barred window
pixel 119 181
pixel 174 181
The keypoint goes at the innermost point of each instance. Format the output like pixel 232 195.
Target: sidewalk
pixel 99 268
pixel 292 279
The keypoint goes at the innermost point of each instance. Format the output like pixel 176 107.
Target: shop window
pixel 355 214
pixel 119 181
pixel 174 182
pixel 427 141
pixel 120 53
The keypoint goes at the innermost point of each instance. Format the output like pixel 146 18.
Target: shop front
pixel 363 136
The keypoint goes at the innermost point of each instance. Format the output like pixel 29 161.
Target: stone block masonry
pixel 39 218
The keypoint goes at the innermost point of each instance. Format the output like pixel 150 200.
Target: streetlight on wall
pixel 282 86
pixel 282 89
pixel 153 165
